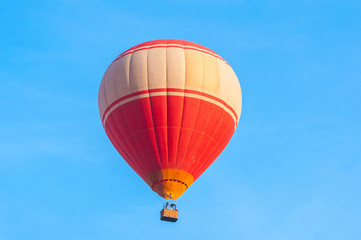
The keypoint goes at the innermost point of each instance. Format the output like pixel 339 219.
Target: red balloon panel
pixel 169 131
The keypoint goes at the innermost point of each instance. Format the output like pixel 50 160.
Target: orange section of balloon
pixel 169 107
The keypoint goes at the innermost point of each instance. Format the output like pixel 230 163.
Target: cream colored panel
pixel 175 68
pixel 229 88
pixel 120 79
pixel 115 83
pixel 157 68
pixel 236 95
pixel 172 68
pixel 224 81
pixel 101 99
pixel 109 87
pixel 194 69
pixel 210 75
pixel 138 71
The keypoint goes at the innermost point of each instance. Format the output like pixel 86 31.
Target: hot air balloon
pixel 169 107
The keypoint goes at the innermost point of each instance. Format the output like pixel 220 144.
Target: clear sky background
pixel 291 171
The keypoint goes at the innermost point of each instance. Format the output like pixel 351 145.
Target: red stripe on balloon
pixel 165 90
pixel 173 46
pixel 170 43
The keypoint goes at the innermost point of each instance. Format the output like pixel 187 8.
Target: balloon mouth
pixel 169 188
pixel 169 183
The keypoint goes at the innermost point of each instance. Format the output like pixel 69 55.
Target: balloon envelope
pixel 169 107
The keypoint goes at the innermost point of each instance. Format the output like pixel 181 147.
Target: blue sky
pixel 291 171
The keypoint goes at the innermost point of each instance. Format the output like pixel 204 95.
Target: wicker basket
pixel 169 215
